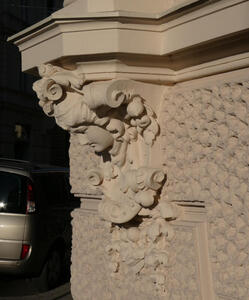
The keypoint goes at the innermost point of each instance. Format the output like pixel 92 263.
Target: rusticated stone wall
pixel 91 237
pixel 205 141
pixel 81 160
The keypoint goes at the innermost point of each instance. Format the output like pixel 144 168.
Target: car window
pixel 12 193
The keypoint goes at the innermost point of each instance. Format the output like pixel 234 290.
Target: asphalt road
pixel 27 289
pixel 17 287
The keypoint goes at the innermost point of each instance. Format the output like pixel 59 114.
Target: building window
pixel 22 142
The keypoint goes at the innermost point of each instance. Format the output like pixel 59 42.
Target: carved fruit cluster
pixel 141 250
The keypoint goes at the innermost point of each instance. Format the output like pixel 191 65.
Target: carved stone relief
pixel 119 124
pixel 116 121
pixel 165 269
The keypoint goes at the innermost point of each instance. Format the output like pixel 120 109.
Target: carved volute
pixel 116 119
pixel 155 96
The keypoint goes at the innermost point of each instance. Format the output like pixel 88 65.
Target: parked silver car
pixel 35 220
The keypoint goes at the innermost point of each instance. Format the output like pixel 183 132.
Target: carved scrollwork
pixel 118 212
pixel 95 177
pixel 119 124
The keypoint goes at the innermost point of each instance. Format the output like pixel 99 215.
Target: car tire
pixel 54 269
pixel 51 275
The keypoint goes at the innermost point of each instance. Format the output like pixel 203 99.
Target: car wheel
pixel 51 275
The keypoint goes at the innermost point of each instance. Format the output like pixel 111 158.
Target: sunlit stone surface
pixel 155 96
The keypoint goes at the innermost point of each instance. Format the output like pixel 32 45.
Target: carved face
pixel 97 137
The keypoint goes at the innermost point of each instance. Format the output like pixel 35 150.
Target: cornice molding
pixel 141 6
pixel 163 50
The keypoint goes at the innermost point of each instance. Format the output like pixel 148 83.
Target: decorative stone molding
pixel 67 2
pixel 129 5
pixel 142 248
pixel 194 130
pixel 141 265
pixel 141 39
pixel 117 120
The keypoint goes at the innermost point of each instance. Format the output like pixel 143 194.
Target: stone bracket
pixel 118 119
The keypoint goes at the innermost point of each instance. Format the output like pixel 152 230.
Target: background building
pixel 25 133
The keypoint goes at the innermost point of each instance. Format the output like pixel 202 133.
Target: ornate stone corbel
pixel 115 119
pixel 118 119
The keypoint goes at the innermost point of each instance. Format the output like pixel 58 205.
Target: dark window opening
pixel 12 193
pixel 22 142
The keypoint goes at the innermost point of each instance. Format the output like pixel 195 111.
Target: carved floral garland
pixel 119 125
pixel 117 122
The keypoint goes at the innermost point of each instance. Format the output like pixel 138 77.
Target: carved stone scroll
pixel 118 121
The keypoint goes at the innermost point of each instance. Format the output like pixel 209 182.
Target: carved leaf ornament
pixel 118 123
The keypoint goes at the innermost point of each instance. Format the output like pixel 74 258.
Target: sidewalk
pixel 60 293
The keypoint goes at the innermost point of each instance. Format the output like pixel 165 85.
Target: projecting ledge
pixel 154 48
